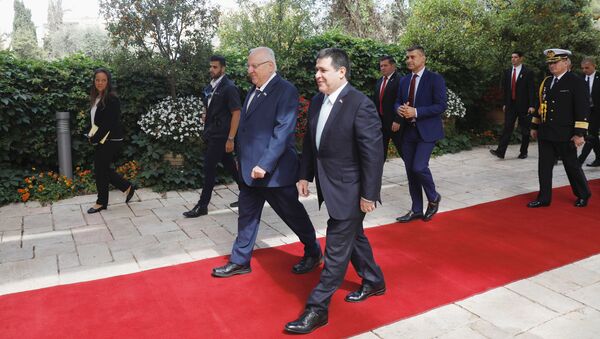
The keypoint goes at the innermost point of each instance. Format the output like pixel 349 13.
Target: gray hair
pixel 589 60
pixel 268 53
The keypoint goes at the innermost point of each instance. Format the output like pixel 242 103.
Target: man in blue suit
pixel 343 150
pixel 421 101
pixel 268 165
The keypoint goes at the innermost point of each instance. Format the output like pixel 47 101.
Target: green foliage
pixel 10 180
pixel 23 37
pixel 278 24
pixel 364 56
pixel 356 18
pixel 172 35
pixel 31 94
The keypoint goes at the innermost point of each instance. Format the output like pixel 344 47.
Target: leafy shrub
pixel 174 119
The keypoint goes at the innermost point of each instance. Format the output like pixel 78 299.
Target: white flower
pixel 456 108
pixel 178 119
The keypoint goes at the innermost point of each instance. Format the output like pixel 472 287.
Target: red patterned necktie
pixel 381 91
pixel 411 91
pixel 512 84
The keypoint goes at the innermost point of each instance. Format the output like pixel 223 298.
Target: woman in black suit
pixel 106 135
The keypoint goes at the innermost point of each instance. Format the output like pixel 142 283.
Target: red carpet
pixel 426 265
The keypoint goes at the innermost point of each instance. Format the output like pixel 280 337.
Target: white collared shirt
pixel 262 89
pixel 214 83
pixel 518 71
pixel 557 79
pixel 590 78
pixel 326 108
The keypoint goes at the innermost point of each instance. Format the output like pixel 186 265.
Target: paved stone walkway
pixel 58 244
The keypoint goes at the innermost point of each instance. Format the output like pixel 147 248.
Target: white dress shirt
pixel 328 103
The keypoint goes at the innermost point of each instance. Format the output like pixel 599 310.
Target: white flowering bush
pixel 456 108
pixel 176 119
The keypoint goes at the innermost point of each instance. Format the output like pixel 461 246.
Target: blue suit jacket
pixel 349 162
pixel 266 135
pixel 430 102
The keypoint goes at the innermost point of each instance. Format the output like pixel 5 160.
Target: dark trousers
pixel 510 117
pixel 104 156
pixel 345 242
pixel 548 151
pixel 284 201
pixel 592 142
pixel 395 137
pixel 215 154
pixel 416 160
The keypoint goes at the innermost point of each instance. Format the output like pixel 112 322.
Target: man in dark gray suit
pixel 343 150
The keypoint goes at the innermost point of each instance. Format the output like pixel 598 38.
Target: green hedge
pixel 32 91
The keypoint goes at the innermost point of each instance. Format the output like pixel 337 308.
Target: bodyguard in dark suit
pixel 268 165
pixel 519 102
pixel 222 101
pixel 384 97
pixel 592 80
pixel 560 125
pixel 342 150
pixel 421 101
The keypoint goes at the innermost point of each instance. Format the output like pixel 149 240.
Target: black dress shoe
pixel 307 264
pixel 595 163
pixel 234 204
pixel 197 211
pixel 537 203
pixel 365 291
pixel 409 216
pixel 130 194
pixel 309 321
pixel 93 210
pixel 522 156
pixel 496 153
pixel 230 269
pixel 432 208
pixel 581 202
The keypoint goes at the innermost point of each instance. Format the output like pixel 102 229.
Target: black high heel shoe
pixel 93 210
pixel 130 194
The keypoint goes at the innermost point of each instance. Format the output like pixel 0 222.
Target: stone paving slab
pixel 60 243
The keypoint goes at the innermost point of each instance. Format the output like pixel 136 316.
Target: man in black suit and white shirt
pixel 519 102
pixel 384 97
pixel 592 79
pixel 342 150
pixel 222 101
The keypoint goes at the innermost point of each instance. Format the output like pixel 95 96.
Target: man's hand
pixel 229 146
pixel 395 126
pixel 367 206
pixel 257 173
pixel 407 111
pixel 578 141
pixel 203 117
pixel 533 134
pixel 531 110
pixel 302 186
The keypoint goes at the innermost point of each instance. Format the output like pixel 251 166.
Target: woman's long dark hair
pixel 109 91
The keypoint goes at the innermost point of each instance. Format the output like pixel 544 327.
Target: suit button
pixel 553 101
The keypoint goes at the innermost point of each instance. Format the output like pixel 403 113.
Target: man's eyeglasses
pixel 255 66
